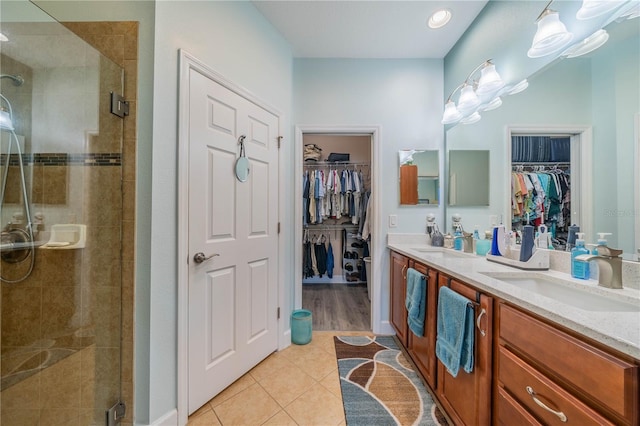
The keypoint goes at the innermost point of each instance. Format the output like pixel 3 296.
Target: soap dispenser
pixel 431 222
pixel 579 269
pixel 602 241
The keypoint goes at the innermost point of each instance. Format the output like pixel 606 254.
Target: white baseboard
pixel 384 328
pixel 169 419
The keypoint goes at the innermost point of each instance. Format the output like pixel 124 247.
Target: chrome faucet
pixel 467 241
pixel 609 266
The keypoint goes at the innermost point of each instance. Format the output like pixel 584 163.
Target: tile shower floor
pixel 297 386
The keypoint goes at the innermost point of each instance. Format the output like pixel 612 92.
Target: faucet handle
pixel 608 251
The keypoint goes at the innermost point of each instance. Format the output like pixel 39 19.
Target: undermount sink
pixel 440 252
pixel 569 292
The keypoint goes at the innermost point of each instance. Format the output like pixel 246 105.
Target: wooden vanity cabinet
pixel 423 349
pixel 554 377
pixel 467 397
pixel 397 293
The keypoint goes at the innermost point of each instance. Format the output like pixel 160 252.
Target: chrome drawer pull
pixel 482 312
pixel 560 414
pixel 404 268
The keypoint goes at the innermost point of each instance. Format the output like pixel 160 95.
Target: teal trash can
pixel 301 326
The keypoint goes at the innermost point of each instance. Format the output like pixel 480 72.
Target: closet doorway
pixel 556 160
pixel 334 270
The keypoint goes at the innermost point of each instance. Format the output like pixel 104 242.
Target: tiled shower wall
pixel 80 325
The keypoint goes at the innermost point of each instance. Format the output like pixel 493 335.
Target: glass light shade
pixel 473 118
pixel 587 45
pixel 451 113
pixel 594 8
pixel 551 36
pixel 631 12
pixel 520 87
pixel 468 99
pixel 5 120
pixel 495 103
pixel 490 81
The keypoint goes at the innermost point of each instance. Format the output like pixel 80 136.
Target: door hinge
pixel 278 312
pixel 115 414
pixel 280 140
pixel 278 227
pixel 119 106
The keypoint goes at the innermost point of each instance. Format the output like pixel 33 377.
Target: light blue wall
pixel 234 39
pixel 402 96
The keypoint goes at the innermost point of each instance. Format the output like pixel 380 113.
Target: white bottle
pixel 602 241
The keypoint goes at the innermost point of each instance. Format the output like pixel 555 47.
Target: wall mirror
pixel 468 173
pixel 596 94
pixel 419 177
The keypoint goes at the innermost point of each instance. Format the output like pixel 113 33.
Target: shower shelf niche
pixel 67 237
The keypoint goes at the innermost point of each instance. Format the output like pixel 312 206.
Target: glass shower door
pixel 61 224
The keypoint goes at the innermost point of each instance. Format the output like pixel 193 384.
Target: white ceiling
pixel 368 29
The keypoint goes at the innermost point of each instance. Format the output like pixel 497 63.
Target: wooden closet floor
pixel 343 307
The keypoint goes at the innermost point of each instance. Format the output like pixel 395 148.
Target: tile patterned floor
pixel 297 386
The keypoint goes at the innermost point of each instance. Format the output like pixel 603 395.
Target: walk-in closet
pixel 336 188
pixel 541 184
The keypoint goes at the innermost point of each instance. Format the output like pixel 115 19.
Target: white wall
pixel 234 39
pixel 400 95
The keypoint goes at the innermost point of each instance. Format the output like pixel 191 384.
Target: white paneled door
pixel 233 233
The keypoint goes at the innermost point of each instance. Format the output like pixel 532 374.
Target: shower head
pixel 17 79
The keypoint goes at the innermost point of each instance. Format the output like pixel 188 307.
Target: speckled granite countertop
pixel 618 330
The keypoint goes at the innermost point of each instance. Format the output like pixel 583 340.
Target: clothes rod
pixel 314 227
pixel 336 163
pixel 540 163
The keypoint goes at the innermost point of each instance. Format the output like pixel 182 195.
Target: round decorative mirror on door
pixel 242 163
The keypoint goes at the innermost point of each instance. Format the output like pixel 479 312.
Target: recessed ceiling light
pixel 439 18
pixel 3 37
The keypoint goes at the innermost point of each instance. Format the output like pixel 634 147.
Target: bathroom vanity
pixel 537 360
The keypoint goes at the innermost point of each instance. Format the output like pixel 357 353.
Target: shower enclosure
pixel 61 224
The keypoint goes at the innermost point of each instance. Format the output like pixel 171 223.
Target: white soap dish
pixel 66 237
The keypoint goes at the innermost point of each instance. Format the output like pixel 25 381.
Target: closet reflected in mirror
pixel 468 178
pixel 541 190
pixel 419 177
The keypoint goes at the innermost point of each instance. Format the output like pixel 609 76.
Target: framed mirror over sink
pixel 419 177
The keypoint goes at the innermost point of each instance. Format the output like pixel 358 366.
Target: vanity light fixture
pixel 551 37
pixel 587 45
pixel 594 8
pixel 474 95
pixel 439 18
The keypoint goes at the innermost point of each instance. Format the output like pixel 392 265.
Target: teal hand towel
pixel 455 332
pixel 415 301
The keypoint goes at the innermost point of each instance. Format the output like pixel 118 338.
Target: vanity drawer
pixel 528 385
pixel 599 376
pixel 510 412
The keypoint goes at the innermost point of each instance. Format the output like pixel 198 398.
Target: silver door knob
pixel 200 257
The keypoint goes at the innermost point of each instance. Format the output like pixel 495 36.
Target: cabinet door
pixel 467 397
pixel 423 349
pixel 398 291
